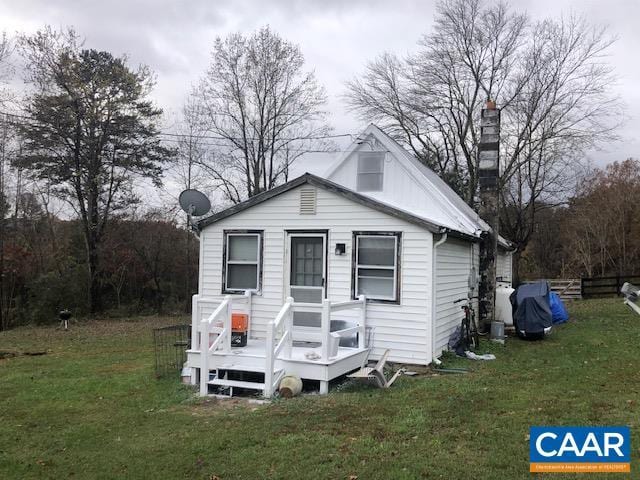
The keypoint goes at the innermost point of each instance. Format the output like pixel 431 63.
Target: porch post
pixel 325 329
pixel 269 361
pixel 249 296
pixel 288 327
pixel 227 325
pixel 204 358
pixel 195 326
pixel 363 322
pixel 195 322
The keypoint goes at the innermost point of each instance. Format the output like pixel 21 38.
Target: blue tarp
pixel 558 312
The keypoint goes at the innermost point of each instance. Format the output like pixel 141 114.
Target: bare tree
pixel 192 155
pixel 6 143
pixel 262 111
pixel 549 78
pixel 602 226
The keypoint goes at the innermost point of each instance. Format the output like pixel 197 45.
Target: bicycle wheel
pixel 466 333
pixel 474 334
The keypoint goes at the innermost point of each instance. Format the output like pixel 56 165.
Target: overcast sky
pixel 337 37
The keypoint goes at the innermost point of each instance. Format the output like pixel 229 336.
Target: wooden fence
pixel 566 288
pixel 605 286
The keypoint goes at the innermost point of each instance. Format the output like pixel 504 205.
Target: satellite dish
pixel 195 203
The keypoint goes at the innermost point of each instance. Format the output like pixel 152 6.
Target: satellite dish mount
pixel 194 203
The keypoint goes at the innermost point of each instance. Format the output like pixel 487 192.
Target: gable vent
pixel 307 201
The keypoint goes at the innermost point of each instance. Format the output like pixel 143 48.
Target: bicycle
pixel 469 327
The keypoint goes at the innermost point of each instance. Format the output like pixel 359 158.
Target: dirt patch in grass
pixel 4 354
pixel 211 405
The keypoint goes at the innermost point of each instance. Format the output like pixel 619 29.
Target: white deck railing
pixel 330 340
pixel 279 342
pixel 219 324
pixel 281 326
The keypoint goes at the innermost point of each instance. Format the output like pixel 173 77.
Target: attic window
pixel 307 201
pixel 370 171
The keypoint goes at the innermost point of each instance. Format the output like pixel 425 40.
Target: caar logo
pixel 579 449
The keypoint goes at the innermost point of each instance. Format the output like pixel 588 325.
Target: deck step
pixel 242 368
pixel 277 375
pixel 236 383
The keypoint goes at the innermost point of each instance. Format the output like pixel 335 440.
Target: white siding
pixel 504 266
pixel 453 265
pixel 405 328
pixel 454 260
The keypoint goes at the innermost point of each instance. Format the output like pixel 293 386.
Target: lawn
pixel 91 408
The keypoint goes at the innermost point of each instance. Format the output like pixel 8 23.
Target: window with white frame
pixel 370 172
pixel 242 261
pixel 376 269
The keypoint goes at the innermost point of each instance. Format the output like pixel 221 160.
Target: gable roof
pixel 337 189
pixel 460 215
pixel 458 210
pixel 438 183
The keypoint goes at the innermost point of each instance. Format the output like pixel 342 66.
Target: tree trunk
pixel 515 268
pixel 94 289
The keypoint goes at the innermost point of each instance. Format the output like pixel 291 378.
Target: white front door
pixel 307 274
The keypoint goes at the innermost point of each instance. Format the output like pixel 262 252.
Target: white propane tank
pixel 503 304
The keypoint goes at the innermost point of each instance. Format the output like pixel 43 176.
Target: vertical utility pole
pixel 488 177
pixel 189 234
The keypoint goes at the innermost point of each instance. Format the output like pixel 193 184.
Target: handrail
pixel 244 301
pixel 201 329
pixel 282 343
pixel 337 306
pixel 283 322
pixel 224 339
pixel 346 331
pixel 307 307
pixel 325 323
pixel 284 311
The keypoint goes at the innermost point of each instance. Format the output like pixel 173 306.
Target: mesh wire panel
pixel 171 345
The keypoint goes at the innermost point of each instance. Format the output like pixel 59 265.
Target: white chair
pixel 631 296
pixel 375 375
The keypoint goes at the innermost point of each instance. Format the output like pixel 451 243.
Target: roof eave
pixel 331 187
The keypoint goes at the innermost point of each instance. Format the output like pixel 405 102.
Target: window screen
pixel 242 261
pixel 370 171
pixel 376 269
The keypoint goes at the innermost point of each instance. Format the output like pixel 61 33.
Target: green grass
pixel 91 408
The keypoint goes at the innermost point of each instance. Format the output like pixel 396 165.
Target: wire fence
pixel 170 346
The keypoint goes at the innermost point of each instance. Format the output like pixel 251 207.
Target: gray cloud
pixel 337 37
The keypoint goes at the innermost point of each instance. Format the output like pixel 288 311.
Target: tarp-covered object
pixel 531 311
pixel 558 312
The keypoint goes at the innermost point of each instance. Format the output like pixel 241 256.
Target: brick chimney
pixel 488 179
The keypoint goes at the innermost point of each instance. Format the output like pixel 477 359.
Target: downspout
pixel 434 273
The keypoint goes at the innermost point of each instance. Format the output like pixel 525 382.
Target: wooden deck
pixel 252 358
pixel 262 363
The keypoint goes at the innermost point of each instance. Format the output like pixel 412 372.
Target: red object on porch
pixel 239 322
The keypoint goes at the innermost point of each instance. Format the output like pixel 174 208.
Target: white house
pixel 366 255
